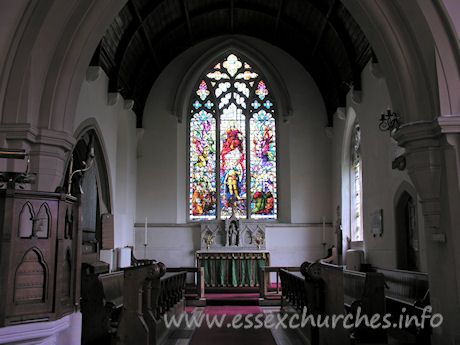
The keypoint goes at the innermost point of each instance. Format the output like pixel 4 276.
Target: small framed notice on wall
pixel 377 223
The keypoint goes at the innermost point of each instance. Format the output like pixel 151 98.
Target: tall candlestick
pixel 145 234
pixel 324 229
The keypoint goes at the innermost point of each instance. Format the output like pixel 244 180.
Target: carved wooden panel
pixel 31 225
pixel 66 276
pixel 26 223
pixel 42 221
pixel 68 223
pixel 39 256
pixel 30 279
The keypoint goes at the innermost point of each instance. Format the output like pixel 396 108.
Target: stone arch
pixel 97 178
pixel 102 163
pixel 49 46
pixel 403 50
pixel 193 72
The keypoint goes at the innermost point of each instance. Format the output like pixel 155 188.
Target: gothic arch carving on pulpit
pixel 34 225
pixel 30 278
pixel 26 221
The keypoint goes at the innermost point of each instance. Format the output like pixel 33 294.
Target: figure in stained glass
pixel 232 117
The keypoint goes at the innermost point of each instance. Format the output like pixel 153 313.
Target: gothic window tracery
pixel 232 144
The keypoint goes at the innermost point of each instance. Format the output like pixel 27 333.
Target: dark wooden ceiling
pixel 147 34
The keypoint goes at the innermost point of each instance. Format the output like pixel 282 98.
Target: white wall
pixel 379 182
pixel 112 116
pixel 304 171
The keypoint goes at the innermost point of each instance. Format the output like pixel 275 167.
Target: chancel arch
pixel 47 46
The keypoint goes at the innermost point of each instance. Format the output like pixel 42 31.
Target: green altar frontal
pixel 232 269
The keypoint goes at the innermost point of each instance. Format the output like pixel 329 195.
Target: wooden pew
pixel 328 290
pixel 134 320
pixel 112 285
pixel 409 290
pixel 332 300
pixel 95 317
pixel 366 291
pixel 102 301
pixel 299 291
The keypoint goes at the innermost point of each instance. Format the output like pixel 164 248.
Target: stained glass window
pixel 232 144
pixel 356 185
pixel 202 166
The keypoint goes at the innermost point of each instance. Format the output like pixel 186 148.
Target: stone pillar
pixel 432 166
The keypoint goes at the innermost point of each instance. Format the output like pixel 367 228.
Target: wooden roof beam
pixel 323 28
pixel 139 19
pixel 278 18
pixel 187 19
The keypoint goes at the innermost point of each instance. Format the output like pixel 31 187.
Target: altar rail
pixel 171 291
pixel 197 280
pixel 301 293
pixel 264 274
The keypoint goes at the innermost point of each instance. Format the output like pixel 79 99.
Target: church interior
pixel 161 158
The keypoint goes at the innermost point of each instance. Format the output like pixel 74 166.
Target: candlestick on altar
pixel 324 236
pixel 324 229
pixel 145 232
pixel 145 239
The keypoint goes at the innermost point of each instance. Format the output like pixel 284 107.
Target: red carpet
pixel 232 296
pixel 230 336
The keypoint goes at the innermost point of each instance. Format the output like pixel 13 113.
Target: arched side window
pixel 232 144
pixel 356 195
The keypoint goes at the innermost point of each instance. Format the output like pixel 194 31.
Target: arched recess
pixel 94 186
pixel 193 72
pixel 350 120
pixel 407 228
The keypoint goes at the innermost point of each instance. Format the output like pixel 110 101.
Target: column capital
pixel 47 148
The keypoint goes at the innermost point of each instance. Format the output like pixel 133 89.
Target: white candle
pixel 145 234
pixel 324 229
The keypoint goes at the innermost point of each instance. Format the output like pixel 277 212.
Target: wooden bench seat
pixel 406 287
pixel 409 290
pixel 353 287
pixel 112 284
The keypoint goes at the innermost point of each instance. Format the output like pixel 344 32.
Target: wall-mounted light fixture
pixel 85 168
pixel 389 121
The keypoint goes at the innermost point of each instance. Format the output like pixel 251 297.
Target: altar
pixel 232 251
pixel 232 269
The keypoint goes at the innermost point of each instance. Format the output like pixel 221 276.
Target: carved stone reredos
pixel 232 234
